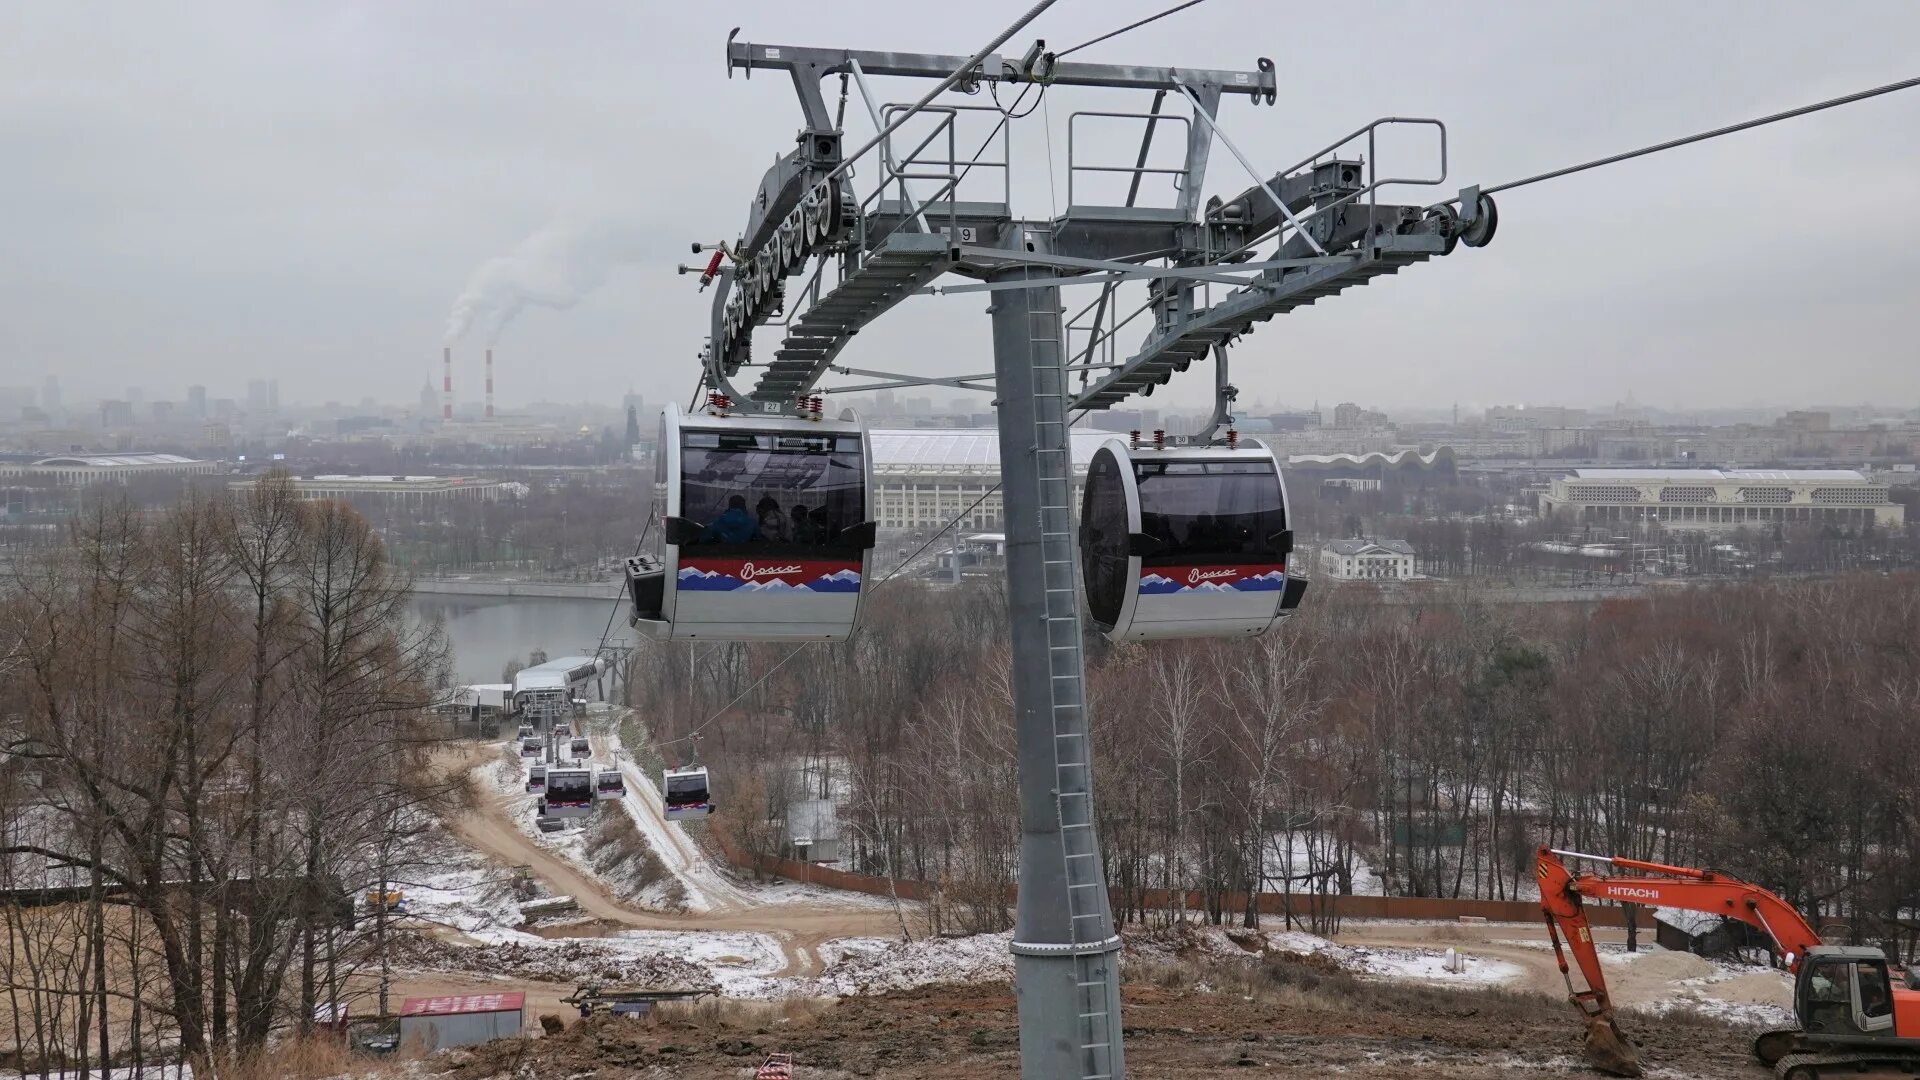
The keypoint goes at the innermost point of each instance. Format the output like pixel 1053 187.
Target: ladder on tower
pixel 1072 754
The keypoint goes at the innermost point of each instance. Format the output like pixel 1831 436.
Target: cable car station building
pixel 1722 500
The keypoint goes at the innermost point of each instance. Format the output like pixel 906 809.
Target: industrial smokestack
pixel 446 383
pixel 489 384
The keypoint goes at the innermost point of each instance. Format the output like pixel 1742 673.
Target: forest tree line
pixel 213 743
pixel 1423 749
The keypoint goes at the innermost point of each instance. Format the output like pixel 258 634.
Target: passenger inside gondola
pixel 801 530
pixel 733 526
pixel 771 526
pixel 772 495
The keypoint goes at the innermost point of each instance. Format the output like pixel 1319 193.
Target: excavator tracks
pixel 1817 1066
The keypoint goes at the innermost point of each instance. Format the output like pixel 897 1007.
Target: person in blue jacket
pixel 733 526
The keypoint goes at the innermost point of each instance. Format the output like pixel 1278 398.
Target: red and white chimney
pixel 489 384
pixel 446 384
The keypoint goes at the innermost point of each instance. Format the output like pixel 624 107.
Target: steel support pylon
pixel 1066 955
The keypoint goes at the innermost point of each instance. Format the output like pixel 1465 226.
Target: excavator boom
pixel 1562 894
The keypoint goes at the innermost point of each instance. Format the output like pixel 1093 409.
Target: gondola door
pixel 1186 542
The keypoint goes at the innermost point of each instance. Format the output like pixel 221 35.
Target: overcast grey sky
pixel 212 191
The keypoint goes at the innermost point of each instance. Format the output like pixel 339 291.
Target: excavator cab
pixel 1845 991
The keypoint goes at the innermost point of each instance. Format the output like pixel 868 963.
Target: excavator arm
pixel 1562 894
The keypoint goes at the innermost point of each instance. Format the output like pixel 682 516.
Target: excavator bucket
pixel 1608 1049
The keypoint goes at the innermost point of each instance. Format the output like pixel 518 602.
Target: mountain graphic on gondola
pixel 840 581
pixel 1155 585
pixel 1271 581
pixel 693 579
pixel 1152 584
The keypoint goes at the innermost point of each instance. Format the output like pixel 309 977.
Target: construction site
pixel 1153 800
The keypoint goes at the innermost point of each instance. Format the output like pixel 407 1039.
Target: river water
pixel 487 631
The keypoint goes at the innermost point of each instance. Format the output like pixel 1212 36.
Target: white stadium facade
pixel 1721 500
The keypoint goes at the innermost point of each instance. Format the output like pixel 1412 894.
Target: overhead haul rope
pixel 1848 99
pixel 1130 26
pixel 618 600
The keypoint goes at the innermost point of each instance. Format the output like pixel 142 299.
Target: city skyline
pixel 228 245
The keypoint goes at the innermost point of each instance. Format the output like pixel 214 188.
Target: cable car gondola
pixel 569 793
pixel 687 794
pixel 609 784
pixel 766 530
pixel 536 779
pixel 1186 541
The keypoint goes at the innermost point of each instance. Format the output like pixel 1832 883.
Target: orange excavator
pixel 1852 1018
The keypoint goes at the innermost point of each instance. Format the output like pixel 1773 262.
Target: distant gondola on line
pixel 767 531
pixel 569 793
pixel 537 778
pixel 686 793
pixel 609 784
pixel 1186 541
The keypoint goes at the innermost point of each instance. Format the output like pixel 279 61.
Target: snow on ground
pixel 1423 965
pixel 463 891
pixel 874 966
pixel 740 963
pixel 1290 855
pixel 1737 993
pixel 1429 966
pixel 707 885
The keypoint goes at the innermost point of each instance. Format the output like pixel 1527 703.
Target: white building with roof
pixel 926 477
pixel 86 470
pixel 1366 560
pixel 408 490
pixel 1716 500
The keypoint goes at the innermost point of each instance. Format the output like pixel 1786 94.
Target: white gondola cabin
pixel 569 793
pixel 767 532
pixel 1186 541
pixel 687 795
pixel 537 778
pixel 531 746
pixel 609 784
pixel 580 748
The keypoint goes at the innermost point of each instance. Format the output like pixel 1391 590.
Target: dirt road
pixel 800 928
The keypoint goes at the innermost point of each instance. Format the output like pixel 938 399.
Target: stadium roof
pixel 108 461
pixel 906 450
pixel 1399 458
pixel 1710 476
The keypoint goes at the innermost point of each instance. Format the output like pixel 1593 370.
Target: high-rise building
pixel 256 395
pixel 273 395
pixel 633 428
pixel 50 395
pixel 197 402
pixel 429 400
pixel 116 414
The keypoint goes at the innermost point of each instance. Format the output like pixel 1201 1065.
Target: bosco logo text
pixel 748 571
pixel 1196 575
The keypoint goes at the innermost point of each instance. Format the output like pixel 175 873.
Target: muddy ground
pixel 1285 1019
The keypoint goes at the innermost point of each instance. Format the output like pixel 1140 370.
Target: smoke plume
pixel 556 268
